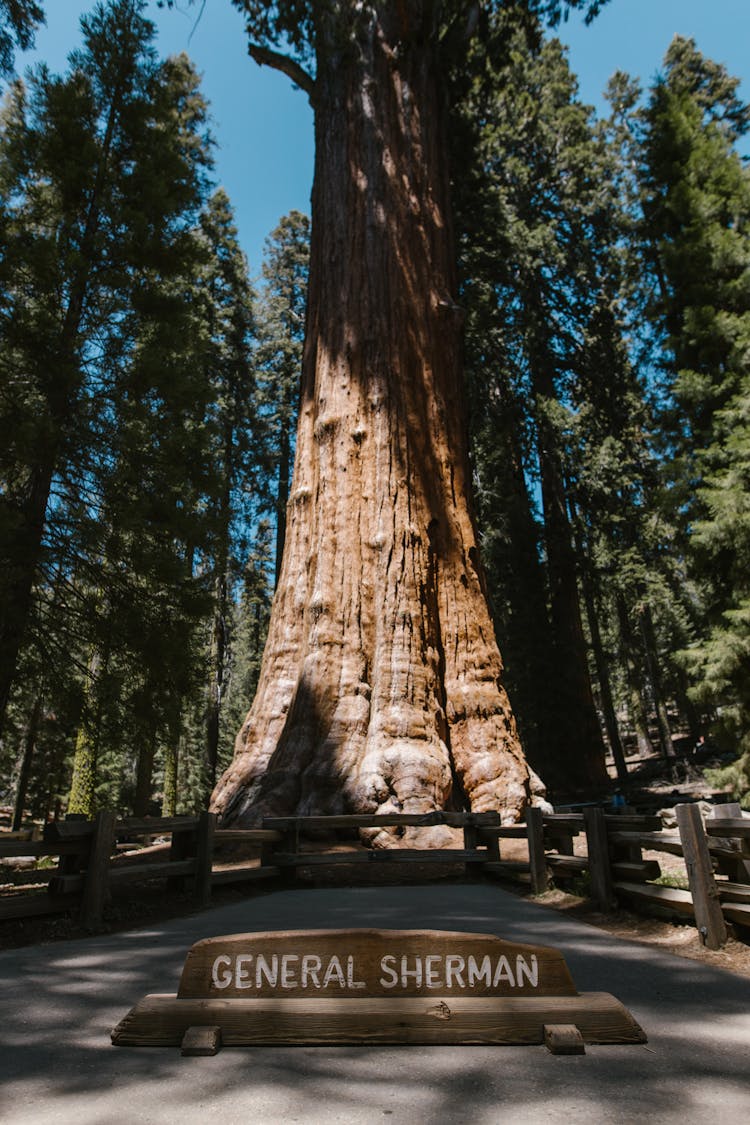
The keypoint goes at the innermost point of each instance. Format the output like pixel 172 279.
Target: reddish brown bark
pixel 380 687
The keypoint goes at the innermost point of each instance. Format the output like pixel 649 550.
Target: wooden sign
pixel 358 963
pixel 373 986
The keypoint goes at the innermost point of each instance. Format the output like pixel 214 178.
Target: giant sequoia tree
pixel 380 687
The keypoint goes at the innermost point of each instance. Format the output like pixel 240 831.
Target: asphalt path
pixel 60 1001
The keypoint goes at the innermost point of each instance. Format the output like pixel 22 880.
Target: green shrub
pixel 735 777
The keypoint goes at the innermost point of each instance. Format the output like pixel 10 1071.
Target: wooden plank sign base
pixel 374 987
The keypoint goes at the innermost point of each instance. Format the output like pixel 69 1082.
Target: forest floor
pixel 679 938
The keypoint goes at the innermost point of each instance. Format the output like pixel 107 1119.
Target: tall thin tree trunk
pixel 688 708
pixel 27 759
pixel 82 799
pixel 144 776
pixel 639 716
pixel 602 669
pixel 380 687
pixel 19 557
pixel 514 566
pixel 216 683
pixel 579 743
pixel 171 764
pixel 605 688
pixel 628 648
pixel 654 674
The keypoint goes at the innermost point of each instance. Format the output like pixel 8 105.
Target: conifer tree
pixel 133 478
pixel 528 213
pixel 696 213
pixel 19 19
pixel 229 369
pixel 279 354
pixel 697 216
pixel 72 231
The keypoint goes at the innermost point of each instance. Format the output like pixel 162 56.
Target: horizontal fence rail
pixel 90 862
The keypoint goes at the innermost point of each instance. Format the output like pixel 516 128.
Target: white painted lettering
pixel 311 966
pixel 416 972
pixel 432 976
pixel 388 968
pixel 288 970
pixel 523 970
pixel 350 981
pixel 241 976
pixel 408 971
pixel 222 965
pixel 479 972
pixel 334 970
pixel 454 967
pixel 263 969
pixel 503 972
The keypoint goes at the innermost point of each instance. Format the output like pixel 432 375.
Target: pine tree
pixel 19 19
pixel 229 368
pixel 527 213
pixel 279 355
pixel 697 220
pixel 130 518
pixel 68 232
pixel 696 214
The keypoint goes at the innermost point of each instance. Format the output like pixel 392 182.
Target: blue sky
pixel 264 127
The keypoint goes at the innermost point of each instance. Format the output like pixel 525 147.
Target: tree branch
pixel 463 27
pixel 265 57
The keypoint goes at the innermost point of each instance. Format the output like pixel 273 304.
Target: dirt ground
pixel 681 939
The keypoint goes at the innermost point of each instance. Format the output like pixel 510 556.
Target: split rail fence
pixel 89 867
pixel 716 855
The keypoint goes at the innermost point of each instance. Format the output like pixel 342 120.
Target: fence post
pixel 735 858
pixel 471 840
pixel 708 916
pixel 492 843
pixel 68 864
pixel 537 858
pixel 597 845
pixel 96 880
pixel 204 858
pixel 182 846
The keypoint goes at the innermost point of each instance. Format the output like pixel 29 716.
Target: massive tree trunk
pixel 380 688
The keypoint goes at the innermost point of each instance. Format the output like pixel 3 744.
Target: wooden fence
pixel 88 867
pixel 716 855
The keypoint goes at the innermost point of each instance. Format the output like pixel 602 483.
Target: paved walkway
pixel 60 1001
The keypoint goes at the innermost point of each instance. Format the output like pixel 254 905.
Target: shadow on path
pixel 60 1002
